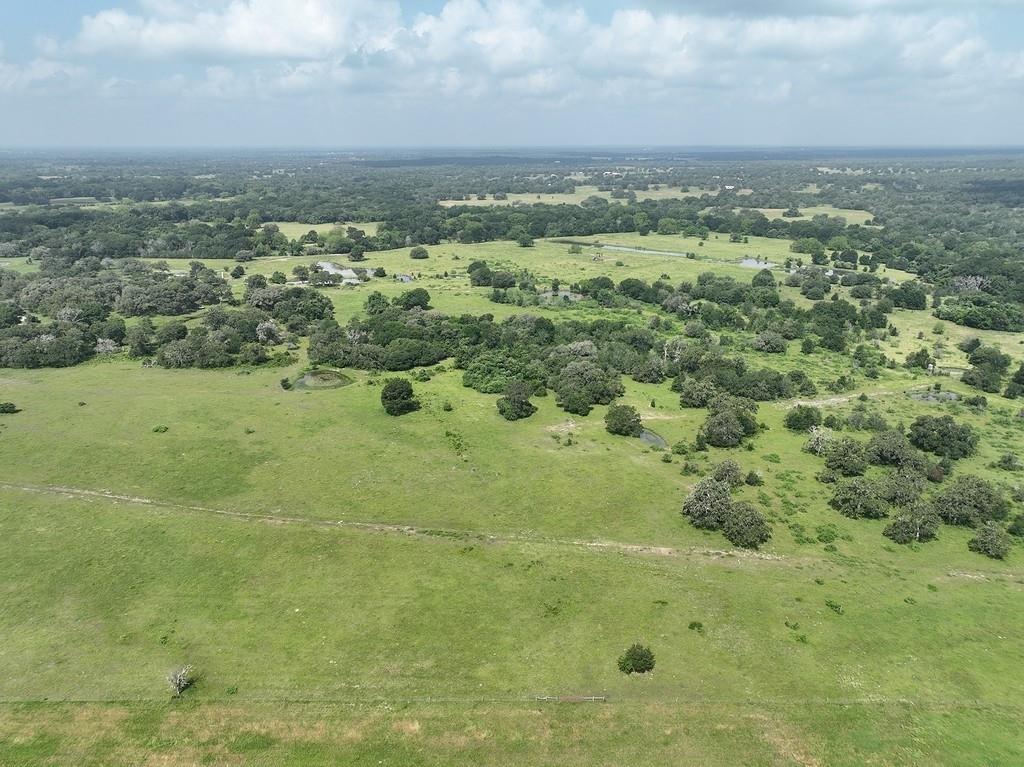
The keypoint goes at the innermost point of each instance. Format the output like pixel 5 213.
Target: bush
pixel 917 524
pixel 802 418
pixel 180 679
pixel 418 253
pixel 745 526
pixel 753 479
pixel 397 397
pixel 623 420
pixel 990 540
pixel 728 471
pixel 638 659
pixel 8 407
pixel 1016 527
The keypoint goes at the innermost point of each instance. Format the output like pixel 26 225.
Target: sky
pixel 407 73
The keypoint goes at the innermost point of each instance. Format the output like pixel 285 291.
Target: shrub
pixel 180 679
pixel 638 659
pixel 745 526
pixel 1016 527
pixel 753 479
pixel 418 253
pixel 8 407
pixel 802 418
pixel 917 524
pixel 728 471
pixel 990 540
pixel 623 420
pixel 397 397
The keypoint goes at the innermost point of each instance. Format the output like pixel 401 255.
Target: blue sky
pixel 511 72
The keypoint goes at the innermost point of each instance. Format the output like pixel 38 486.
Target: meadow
pixel 358 589
pixel 581 193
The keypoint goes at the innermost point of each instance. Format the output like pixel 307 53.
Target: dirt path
pixel 734 556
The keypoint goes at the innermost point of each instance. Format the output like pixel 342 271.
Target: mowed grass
pixel 521 566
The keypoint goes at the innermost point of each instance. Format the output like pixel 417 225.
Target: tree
pixel 638 659
pixel 745 526
pixel 707 504
pixel 623 420
pixel 419 253
pixel 770 342
pixel 970 500
pixel 238 272
pixel 916 524
pixel 802 418
pixel 415 298
pixel 696 392
pixel 397 397
pixel 516 402
pixel 8 407
pixel 990 540
pixel 943 436
pixel 846 456
pixel 857 499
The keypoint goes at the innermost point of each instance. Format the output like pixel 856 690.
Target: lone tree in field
pixel 623 420
pixel 638 659
pixel 397 397
pixel 418 253
pixel 181 679
pixel 8 407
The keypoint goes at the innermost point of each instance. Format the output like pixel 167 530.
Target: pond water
pixel 653 439
pixel 323 379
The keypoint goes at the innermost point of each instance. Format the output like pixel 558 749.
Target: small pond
pixel 322 379
pixel 653 439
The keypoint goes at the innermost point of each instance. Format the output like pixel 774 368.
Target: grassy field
pixel 575 198
pixel 359 589
pixel 294 229
pixel 808 212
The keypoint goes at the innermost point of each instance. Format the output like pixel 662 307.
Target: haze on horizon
pixel 319 73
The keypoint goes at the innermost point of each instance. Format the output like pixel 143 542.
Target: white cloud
pixel 304 29
pixel 547 52
pixel 15 77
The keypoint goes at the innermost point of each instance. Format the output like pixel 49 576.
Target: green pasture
pixel 354 588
